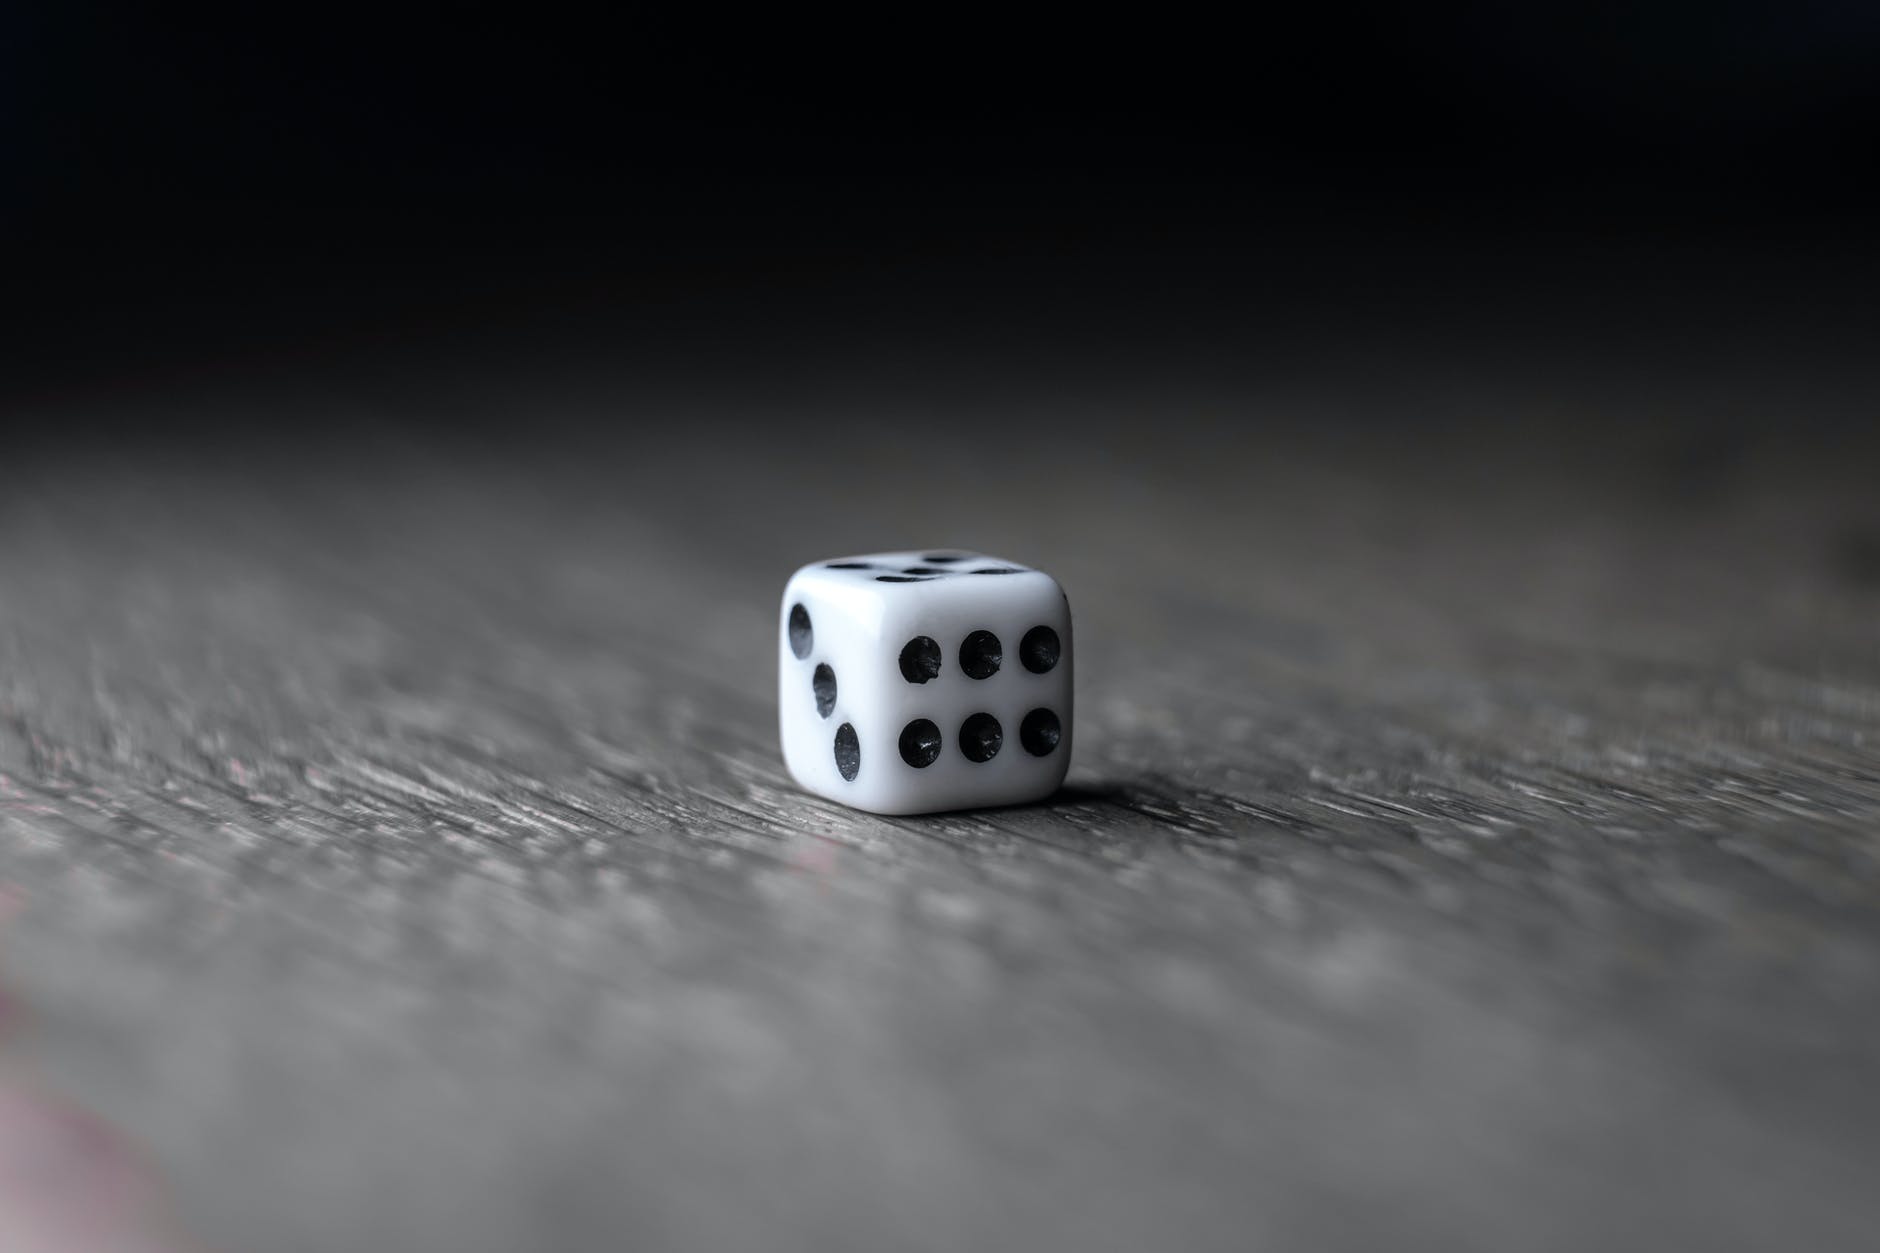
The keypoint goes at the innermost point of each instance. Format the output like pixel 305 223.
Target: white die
pixel 920 681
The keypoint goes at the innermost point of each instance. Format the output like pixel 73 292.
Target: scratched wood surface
pixel 1473 839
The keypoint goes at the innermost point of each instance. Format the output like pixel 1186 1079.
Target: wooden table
pixel 1471 840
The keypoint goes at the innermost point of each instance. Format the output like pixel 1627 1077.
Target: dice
pixel 920 681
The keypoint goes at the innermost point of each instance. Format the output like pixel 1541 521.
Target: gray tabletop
pixel 1471 840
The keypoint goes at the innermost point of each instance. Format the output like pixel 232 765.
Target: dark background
pixel 315 197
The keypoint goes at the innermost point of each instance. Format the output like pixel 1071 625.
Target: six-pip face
pixel 925 680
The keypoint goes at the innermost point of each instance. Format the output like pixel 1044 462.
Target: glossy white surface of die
pixel 846 700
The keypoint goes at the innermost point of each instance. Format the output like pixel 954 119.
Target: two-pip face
pixel 919 681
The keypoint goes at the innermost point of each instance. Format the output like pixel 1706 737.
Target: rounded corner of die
pixel 1062 769
pixel 796 578
pixel 1055 585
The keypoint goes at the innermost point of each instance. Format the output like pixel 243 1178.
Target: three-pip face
pixel 919 681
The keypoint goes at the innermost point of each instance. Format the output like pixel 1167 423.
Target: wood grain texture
pixel 1472 840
